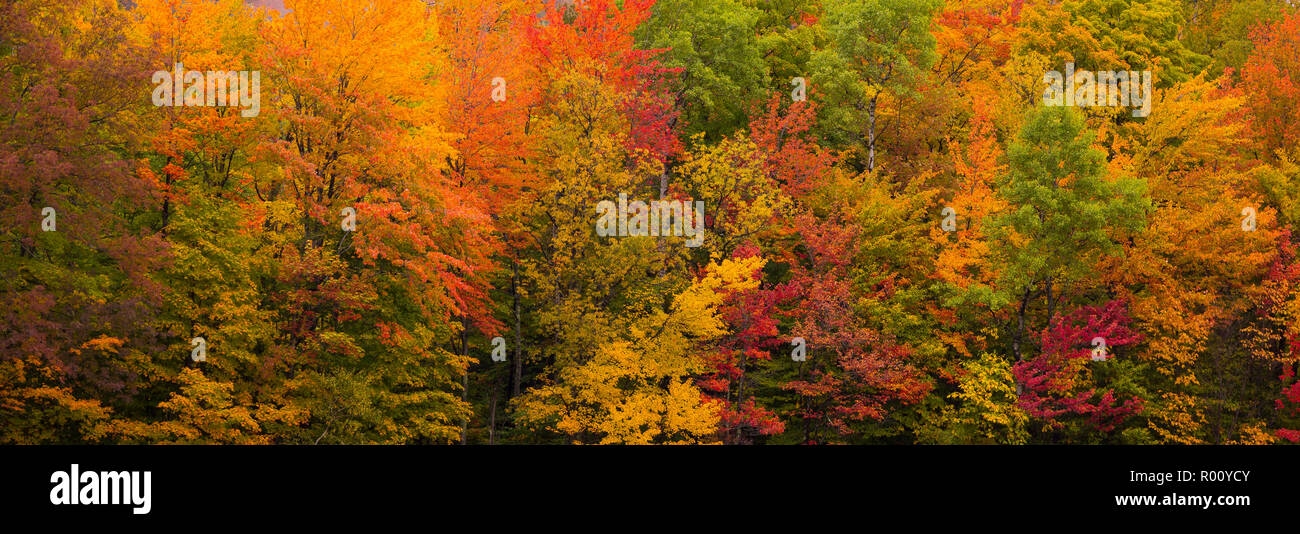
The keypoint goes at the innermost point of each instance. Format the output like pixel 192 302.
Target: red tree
pixel 1053 384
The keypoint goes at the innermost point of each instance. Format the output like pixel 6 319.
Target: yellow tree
pixel 1193 266
pixel 636 388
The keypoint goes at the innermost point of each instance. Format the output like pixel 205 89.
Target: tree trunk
pixel 464 382
pixel 1051 303
pixel 517 377
pixel 1020 332
pixel 492 419
pixel 871 134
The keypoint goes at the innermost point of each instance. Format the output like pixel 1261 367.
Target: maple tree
pixel 1269 78
pixel 402 243
pixel 77 293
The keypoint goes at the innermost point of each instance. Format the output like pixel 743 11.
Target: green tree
pixel 877 48
pixel 1063 213
pixel 722 70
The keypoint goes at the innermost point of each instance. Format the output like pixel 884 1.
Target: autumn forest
pixel 649 222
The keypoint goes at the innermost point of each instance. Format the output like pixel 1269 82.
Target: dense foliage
pixel 403 243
